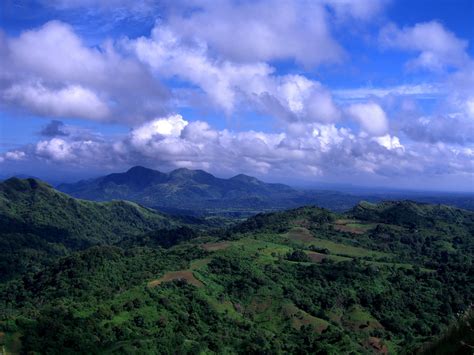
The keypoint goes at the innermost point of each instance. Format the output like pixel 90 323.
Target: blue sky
pixel 362 92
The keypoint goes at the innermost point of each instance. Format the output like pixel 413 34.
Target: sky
pixel 363 92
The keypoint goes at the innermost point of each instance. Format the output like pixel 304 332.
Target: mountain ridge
pixel 180 188
pixel 38 222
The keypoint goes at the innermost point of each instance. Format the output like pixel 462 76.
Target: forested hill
pixel 181 189
pixel 37 221
pixel 387 278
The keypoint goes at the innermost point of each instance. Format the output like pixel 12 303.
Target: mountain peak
pixel 139 169
pixel 196 175
pixel 22 185
pixel 245 178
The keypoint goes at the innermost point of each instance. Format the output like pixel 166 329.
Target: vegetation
pixel 38 222
pixel 282 282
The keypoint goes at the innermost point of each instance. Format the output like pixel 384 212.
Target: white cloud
pixel 55 149
pixel 229 84
pixel 71 101
pixel 438 47
pixel 50 71
pixel 304 151
pixel 371 118
pixel 15 155
pixel 389 142
pixel 162 127
pixel 261 30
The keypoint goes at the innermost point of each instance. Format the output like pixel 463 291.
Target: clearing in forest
pixel 352 226
pixel 316 257
pixel 185 275
pixel 216 246
pixel 299 318
pixel 359 319
pixel 300 234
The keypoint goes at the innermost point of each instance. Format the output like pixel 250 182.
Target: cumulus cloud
pixel 371 118
pixel 71 101
pixel 438 48
pixel 389 142
pixel 305 150
pixel 261 30
pixel 50 71
pixel 15 155
pixel 228 84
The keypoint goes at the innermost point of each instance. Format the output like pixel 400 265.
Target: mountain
pixel 374 280
pixel 182 189
pixel 198 193
pixel 38 221
pixel 408 213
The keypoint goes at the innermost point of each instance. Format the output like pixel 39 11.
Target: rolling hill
pixel 38 221
pixel 307 280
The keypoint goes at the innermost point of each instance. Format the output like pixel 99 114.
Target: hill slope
pixel 36 221
pixel 300 281
pixel 182 189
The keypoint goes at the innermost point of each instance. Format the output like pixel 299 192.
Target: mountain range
pixel 196 192
pixel 184 189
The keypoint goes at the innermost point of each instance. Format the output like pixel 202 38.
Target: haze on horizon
pixel 330 91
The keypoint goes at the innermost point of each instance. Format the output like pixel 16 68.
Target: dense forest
pixel 90 277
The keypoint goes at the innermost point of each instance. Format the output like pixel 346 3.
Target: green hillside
pixel 300 281
pixel 37 221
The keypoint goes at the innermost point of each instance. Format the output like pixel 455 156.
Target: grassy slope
pixel 247 287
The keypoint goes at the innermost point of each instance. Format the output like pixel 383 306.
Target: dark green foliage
pixel 38 222
pixel 164 238
pixel 458 339
pixel 408 213
pixel 298 255
pixel 279 221
pixel 400 283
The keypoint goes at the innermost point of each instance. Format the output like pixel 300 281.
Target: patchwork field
pixel 352 226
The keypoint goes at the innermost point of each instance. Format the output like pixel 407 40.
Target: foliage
pixel 283 282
